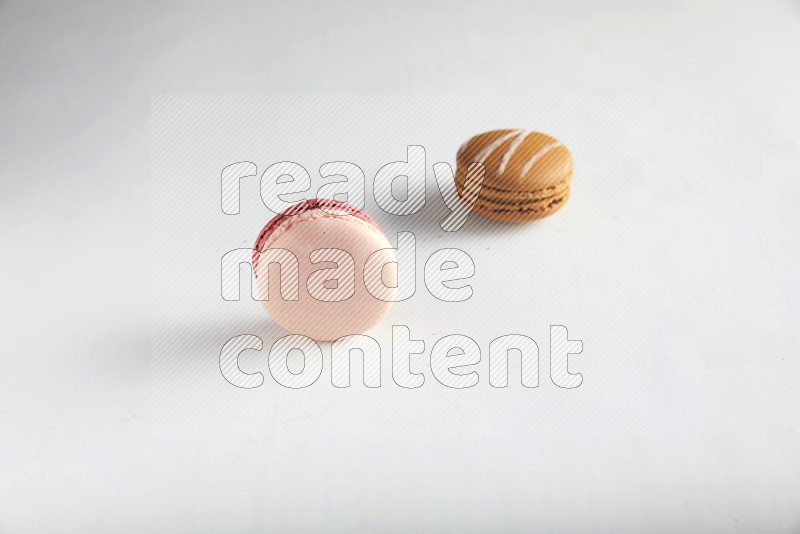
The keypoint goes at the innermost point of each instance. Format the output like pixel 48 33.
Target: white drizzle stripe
pixel 513 148
pixel 486 152
pixel 536 157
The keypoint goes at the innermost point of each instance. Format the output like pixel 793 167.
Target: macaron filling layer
pixel 496 194
pixel 537 207
pixel 501 201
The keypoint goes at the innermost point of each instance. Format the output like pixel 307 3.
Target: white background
pixel 687 423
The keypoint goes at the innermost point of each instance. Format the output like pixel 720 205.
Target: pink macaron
pixel 324 269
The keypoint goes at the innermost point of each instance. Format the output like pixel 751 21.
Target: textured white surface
pixel 708 442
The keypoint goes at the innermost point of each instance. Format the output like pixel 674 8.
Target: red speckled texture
pixel 302 207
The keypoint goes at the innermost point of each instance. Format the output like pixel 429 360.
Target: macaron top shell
pixel 518 160
pixel 327 206
pixel 345 271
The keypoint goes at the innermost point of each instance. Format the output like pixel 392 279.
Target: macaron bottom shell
pixel 511 206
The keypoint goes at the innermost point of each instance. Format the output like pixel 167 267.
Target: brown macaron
pixel 527 174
